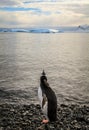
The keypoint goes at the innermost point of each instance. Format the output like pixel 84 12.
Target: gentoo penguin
pixel 48 100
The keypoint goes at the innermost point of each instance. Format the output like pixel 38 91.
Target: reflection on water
pixel 64 57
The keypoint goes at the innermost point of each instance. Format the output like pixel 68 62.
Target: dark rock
pixel 87 119
pixel 64 105
pixel 77 127
pixel 80 117
pixel 39 128
pixel 1 128
pixel 38 106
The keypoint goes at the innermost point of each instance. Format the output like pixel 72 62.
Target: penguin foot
pixel 45 121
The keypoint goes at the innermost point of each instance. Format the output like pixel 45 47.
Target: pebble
pixel 29 117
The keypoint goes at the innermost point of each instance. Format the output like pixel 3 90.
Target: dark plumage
pixel 51 98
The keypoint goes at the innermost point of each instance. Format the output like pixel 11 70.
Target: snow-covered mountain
pixel 80 29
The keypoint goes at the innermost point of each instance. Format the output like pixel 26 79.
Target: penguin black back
pixel 51 97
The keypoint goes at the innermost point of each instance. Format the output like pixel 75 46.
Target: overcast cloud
pixel 27 13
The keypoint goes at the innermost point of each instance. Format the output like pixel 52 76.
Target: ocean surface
pixel 63 56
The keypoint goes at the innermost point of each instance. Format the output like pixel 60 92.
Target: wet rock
pixel 87 119
pixel 39 128
pixel 77 127
pixel 1 128
pixel 25 113
pixel 64 105
pixel 80 117
pixel 38 106
pixel 30 114
pixel 51 127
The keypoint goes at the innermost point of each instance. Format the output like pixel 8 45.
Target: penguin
pixel 48 100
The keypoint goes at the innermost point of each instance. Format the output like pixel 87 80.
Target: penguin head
pixel 43 78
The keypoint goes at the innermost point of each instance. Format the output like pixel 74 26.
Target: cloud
pixel 60 1
pixel 27 13
pixel 80 9
pixel 26 2
pixel 19 9
pixel 5 3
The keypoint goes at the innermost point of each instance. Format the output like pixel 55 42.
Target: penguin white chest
pixel 40 95
pixel 43 101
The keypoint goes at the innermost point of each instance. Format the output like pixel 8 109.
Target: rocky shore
pixel 29 117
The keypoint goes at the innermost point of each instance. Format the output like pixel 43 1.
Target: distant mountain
pixel 80 29
pixel 84 28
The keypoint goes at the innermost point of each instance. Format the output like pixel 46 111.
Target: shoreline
pixel 29 117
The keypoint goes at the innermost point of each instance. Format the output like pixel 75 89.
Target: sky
pixel 43 13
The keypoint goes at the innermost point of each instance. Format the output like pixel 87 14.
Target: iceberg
pixel 19 30
pixel 44 30
pixel 39 31
pixel 53 31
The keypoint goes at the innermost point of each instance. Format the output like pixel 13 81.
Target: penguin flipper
pixel 44 100
pixel 45 105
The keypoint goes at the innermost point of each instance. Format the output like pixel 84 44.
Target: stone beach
pixel 29 117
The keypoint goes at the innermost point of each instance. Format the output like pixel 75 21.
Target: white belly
pixel 40 96
pixel 45 107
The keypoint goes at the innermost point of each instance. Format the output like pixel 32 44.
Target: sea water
pixel 63 56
